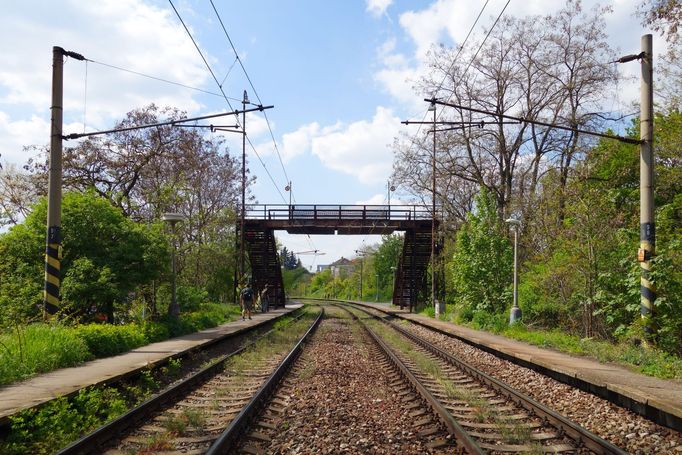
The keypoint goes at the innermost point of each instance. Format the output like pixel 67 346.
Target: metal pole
pixel 174 310
pixel 433 219
pixel 360 277
pixel 515 313
pixel 647 234
pixel 54 190
pixel 376 299
pixel 245 100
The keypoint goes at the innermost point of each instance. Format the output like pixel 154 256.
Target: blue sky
pixel 339 73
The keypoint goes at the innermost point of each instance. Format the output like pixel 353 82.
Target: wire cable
pixel 202 57
pixel 454 60
pixel 255 92
pixel 160 79
pixel 177 13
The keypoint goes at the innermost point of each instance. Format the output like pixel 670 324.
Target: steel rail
pixel 574 431
pixel 462 437
pixel 96 441
pixel 230 435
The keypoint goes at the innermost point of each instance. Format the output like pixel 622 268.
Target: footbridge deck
pixel 339 219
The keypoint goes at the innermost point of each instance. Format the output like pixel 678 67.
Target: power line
pixel 160 79
pixel 454 60
pixel 202 57
pixel 224 95
pixel 255 92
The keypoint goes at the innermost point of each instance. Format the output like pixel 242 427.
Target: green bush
pixel 155 331
pixel 39 348
pixel 191 298
pixel 61 421
pixel 105 340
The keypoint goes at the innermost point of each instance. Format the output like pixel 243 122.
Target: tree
pixel 106 257
pixel 17 192
pixel 481 267
pixel 665 16
pixel 288 259
pixel 539 68
pixel 385 260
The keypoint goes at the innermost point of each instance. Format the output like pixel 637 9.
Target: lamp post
pixel 376 298
pixel 432 108
pixel 173 219
pixel 389 189
pixel 515 313
pixel 360 256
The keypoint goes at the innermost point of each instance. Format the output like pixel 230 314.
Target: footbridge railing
pixel 337 212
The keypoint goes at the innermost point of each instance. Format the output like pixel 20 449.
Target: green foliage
pixel 481 267
pixel 104 340
pixel 39 348
pixel 106 256
pixel 41 431
pixel 294 279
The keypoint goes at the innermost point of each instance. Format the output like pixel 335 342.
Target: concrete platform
pixel 66 381
pixel 657 399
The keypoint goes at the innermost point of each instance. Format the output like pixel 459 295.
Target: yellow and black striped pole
pixel 647 246
pixel 52 270
pixel 54 190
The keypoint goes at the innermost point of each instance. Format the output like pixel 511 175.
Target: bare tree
pixel 552 69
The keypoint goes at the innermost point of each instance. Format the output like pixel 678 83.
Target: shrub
pixel 105 339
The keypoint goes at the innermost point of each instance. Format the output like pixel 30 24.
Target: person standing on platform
pixel 246 300
pixel 263 299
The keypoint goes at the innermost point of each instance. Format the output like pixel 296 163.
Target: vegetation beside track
pixel 62 421
pixel 39 348
pixel 652 362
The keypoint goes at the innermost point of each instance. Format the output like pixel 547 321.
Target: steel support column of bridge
pixel 262 220
pixel 264 261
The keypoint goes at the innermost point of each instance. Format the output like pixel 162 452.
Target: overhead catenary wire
pixel 210 70
pixel 160 79
pixel 454 60
pixel 255 92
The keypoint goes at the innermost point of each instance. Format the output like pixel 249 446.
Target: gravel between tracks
pixel 623 428
pixel 341 401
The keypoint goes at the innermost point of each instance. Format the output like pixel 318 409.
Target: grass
pixel 61 421
pixel 648 361
pixel 27 350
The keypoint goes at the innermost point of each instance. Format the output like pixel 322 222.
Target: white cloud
pixel 378 7
pixel 125 33
pixel 297 143
pixel 362 148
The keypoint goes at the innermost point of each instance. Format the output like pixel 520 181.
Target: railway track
pixel 200 411
pixel 344 394
pixel 484 415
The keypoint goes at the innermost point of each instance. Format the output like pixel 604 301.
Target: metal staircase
pixel 264 260
pixel 411 273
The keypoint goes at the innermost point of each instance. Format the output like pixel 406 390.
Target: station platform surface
pixel 658 399
pixel 65 381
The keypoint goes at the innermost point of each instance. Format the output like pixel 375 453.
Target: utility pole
pixel 245 101
pixel 53 248
pixel 433 217
pixel 647 235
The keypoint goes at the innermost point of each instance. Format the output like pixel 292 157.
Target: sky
pixel 338 72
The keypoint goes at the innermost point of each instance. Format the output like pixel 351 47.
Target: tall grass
pixel 39 348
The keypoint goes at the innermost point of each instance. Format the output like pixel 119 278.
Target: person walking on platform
pixel 246 300
pixel 263 301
